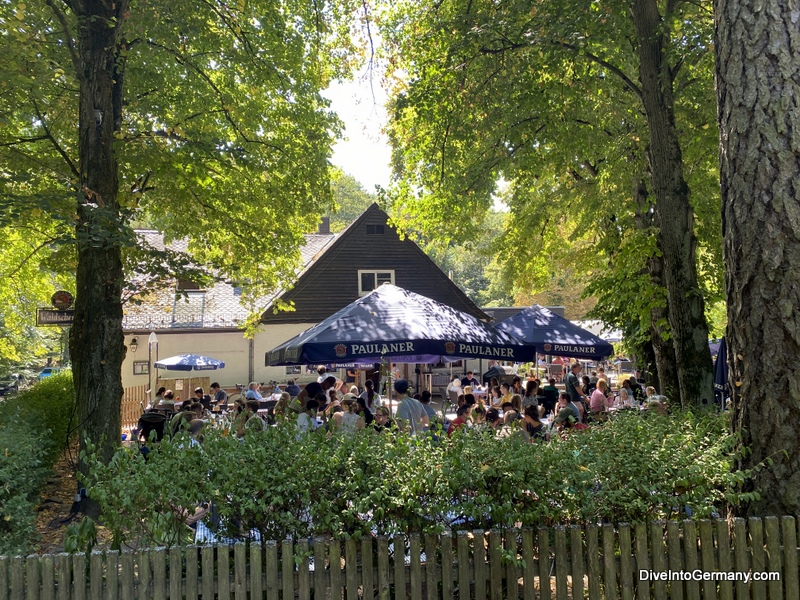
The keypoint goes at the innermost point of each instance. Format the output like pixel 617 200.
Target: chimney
pixel 325 226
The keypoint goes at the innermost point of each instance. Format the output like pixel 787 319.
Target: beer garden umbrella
pixel 189 362
pixel 393 323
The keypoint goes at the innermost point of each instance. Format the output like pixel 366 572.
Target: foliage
pixel 23 470
pixel 489 92
pixel 284 485
pixel 350 197
pixel 49 407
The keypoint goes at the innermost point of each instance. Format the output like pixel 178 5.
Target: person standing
pixel 573 385
pixel 411 415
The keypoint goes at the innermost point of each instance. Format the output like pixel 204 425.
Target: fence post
pixel 399 548
pixel 320 584
pixel 758 588
pixel 642 562
pixel 724 552
pixel 367 573
pixel 271 569
pixel 772 529
pixel 351 568
pixel 287 569
pixel 690 556
pixel 495 566
pixel 303 572
pixel 447 566
pixel 593 562
pixel 112 575
pixel 741 555
pixel 790 557
pixel 192 572
pixel 625 561
pixel 659 561
pixel 609 562
pixel 479 560
pixel 239 571
pixel 529 569
pixel 207 566
pixel 49 580
pixel 32 577
pixel 543 547
pixel 675 558
pixel 561 562
pixel 576 558
pixel 175 572
pixel 707 558
pixel 415 551
pixel 384 584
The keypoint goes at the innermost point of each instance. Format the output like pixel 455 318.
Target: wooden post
pixel 49 580
pixel 593 561
pixel 384 583
pixel 320 583
pixel 463 564
pixel 561 562
pixel 479 559
pixel 287 569
pixel 690 558
pixel 790 568
pixel 431 565
pixel 351 568
pixel 367 573
pixel 609 562
pixel 774 564
pixel 192 572
pixel 625 561
pixel 64 578
pixel 112 575
pixel 510 544
pixel 17 578
pixel 223 573
pixel 741 555
pixel 529 568
pixel 543 547
pixel 175 572
pixel 207 566
pixel 335 552
pixel 576 560
pixel 446 542
pixel 642 562
pixel 495 566
pixel 399 547
pixel 724 553
pixel 303 573
pixel 32 577
pixel 675 558
pixel 239 571
pixel 758 588
pixel 256 583
pixel 415 551
pixel 659 560
pixel 707 557
pixel 144 574
pixel 159 574
pixel 271 570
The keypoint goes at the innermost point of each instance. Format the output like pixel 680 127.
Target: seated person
pixel 220 396
pixel 251 420
pixel 168 402
pixel 460 420
pixel 203 398
pixel 383 421
pixel 534 428
pixel 469 380
pixel 293 389
pixel 307 420
pixel 253 392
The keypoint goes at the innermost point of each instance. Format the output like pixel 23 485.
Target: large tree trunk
pixel 663 349
pixel 757 46
pixel 97 340
pixel 673 212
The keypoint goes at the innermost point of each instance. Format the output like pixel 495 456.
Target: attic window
pixel 375 230
pixel 370 280
pixel 186 285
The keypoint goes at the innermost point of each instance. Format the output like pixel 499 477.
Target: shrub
pixel 23 470
pixel 34 429
pixel 632 468
pixel 50 406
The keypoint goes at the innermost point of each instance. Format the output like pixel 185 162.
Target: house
pixel 336 270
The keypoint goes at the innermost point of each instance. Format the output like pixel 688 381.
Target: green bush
pixel 630 469
pixel 49 406
pixel 23 470
pixel 34 429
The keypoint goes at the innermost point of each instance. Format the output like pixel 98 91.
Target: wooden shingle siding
pixel 331 282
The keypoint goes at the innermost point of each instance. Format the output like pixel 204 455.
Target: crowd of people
pixel 537 410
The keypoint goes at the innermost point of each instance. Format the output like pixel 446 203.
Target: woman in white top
pixel 348 420
pixel 371 398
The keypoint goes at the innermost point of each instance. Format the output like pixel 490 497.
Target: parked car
pixel 12 383
pixel 47 371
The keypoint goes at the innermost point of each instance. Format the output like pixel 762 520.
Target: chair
pixel 150 422
pixel 452 397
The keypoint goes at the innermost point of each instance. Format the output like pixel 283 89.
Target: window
pixel 187 285
pixel 293 370
pixel 375 229
pixel 370 280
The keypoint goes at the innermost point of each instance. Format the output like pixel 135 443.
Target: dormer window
pixel 370 280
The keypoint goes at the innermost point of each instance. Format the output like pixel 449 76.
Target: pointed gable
pixel 367 253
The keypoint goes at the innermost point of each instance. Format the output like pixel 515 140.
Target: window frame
pixel 375 272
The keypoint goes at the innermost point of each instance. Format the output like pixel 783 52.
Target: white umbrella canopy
pixel 189 362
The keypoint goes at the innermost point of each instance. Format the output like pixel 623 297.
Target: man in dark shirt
pixel 573 384
pixel 314 388
pixel 220 396
pixel 469 380
pixel 293 389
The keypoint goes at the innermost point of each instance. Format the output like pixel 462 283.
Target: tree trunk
pixel 673 212
pixel 97 343
pixel 757 45
pixel 663 348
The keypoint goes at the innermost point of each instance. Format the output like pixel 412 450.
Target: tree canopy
pixel 485 91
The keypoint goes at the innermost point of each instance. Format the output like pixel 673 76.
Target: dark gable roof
pixel 330 282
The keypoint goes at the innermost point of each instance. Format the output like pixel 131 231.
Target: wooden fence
pixel 135 398
pixel 559 563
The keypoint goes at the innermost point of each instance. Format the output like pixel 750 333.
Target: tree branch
pixel 604 63
pixel 73 52
pixel 55 143
pixel 33 253
pixel 24 141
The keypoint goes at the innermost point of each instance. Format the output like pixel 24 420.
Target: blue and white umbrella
pixel 189 362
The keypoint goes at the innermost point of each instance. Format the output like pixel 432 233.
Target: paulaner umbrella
pixel 391 322
pixel 550 333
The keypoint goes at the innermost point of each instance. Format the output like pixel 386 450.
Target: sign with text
pixel 49 316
